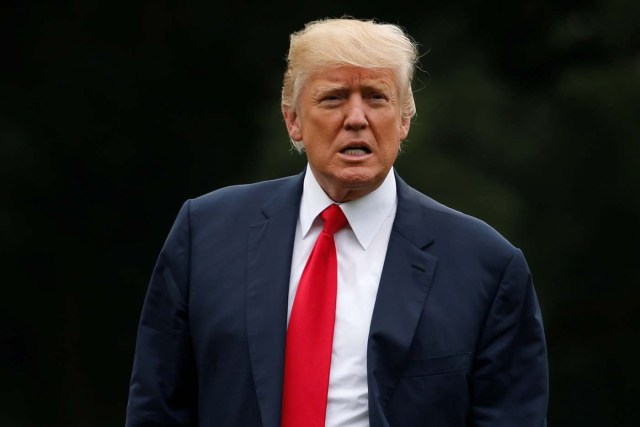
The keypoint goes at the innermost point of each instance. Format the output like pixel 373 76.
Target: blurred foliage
pixel 111 116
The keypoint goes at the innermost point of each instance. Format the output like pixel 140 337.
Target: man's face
pixel 349 120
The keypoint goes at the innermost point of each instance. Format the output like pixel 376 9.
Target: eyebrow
pixel 366 85
pixel 330 87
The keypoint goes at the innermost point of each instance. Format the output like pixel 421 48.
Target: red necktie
pixel 310 331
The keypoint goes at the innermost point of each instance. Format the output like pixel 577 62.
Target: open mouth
pixel 356 151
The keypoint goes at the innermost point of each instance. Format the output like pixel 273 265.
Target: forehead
pixel 350 77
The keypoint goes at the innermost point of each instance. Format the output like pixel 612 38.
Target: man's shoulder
pixel 251 191
pixel 454 225
pixel 242 199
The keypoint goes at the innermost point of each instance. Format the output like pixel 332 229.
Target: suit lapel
pixel 269 266
pixel 402 293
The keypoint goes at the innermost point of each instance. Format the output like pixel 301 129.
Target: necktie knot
pixel 333 218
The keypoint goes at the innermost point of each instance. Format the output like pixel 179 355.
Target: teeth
pixel 355 151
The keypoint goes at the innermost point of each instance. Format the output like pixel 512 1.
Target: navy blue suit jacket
pixel 456 337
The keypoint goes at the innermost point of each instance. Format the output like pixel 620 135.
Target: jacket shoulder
pixel 459 228
pixel 252 192
pixel 243 202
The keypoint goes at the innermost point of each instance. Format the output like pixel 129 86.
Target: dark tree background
pixel 112 114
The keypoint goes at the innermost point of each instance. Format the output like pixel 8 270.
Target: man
pixel 420 315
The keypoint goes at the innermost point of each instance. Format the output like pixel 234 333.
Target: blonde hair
pixel 352 42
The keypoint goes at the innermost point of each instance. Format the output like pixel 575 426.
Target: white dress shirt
pixel 361 248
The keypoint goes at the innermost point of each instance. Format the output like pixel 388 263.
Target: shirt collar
pixel 365 215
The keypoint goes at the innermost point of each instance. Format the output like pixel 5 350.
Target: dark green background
pixel 112 114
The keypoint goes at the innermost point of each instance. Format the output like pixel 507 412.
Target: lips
pixel 356 151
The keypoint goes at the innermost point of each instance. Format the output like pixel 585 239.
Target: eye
pixel 330 100
pixel 378 97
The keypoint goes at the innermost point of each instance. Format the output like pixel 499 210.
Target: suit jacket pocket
pixel 437 365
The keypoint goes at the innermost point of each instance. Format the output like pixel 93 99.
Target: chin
pixel 359 179
pixel 355 174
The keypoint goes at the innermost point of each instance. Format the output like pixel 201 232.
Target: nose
pixel 355 117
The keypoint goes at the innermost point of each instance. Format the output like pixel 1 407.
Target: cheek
pixel 391 153
pixel 391 147
pixel 321 130
pixel 391 135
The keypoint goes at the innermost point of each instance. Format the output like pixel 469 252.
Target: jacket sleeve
pixel 509 379
pixel 163 381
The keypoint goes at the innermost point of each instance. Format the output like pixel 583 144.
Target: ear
pixel 405 124
pixel 291 120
